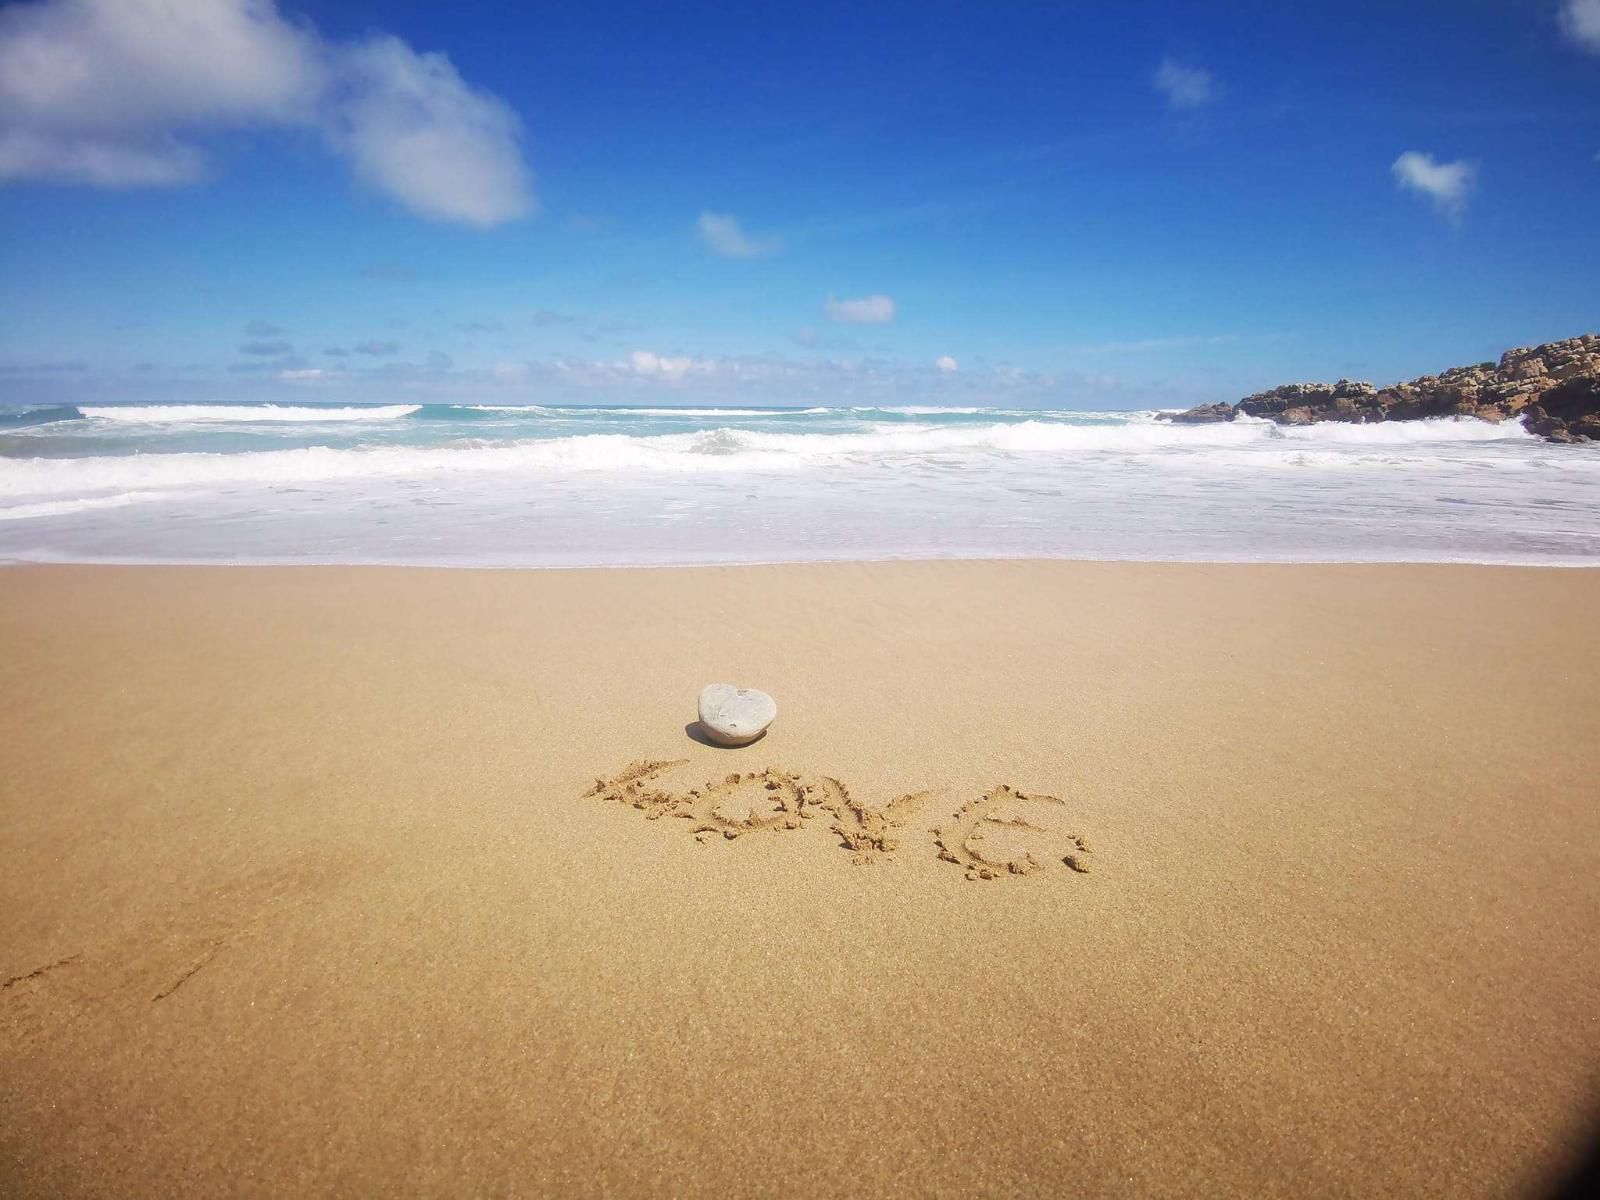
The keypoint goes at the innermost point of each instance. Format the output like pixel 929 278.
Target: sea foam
pixel 146 414
pixel 547 484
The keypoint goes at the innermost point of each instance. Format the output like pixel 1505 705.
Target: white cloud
pixel 863 310
pixel 1446 184
pixel 97 162
pixel 415 129
pixel 647 362
pixel 108 65
pixel 722 234
pixel 114 93
pixel 1184 86
pixel 1580 21
pixel 947 364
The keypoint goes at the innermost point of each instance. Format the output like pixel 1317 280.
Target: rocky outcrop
pixel 1554 389
pixel 1206 414
pixel 1568 412
pixel 1303 403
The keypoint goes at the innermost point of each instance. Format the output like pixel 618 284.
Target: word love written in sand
pixel 1003 832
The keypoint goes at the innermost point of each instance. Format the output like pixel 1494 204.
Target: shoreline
pixel 1559 564
pixel 310 886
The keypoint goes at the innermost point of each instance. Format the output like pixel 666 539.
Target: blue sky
pixel 1107 205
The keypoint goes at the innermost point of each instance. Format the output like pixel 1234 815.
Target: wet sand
pixel 329 880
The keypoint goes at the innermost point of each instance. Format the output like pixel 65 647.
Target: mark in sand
pixel 756 801
pixel 179 934
pixel 6 985
pixel 999 833
pixel 1004 832
pixel 868 833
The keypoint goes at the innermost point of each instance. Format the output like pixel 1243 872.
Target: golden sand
pixel 1091 879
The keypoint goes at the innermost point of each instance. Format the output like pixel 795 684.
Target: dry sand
pixel 302 892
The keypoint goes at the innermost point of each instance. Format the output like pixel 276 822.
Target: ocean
pixel 503 485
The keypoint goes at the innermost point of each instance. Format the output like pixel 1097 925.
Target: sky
pixel 1116 205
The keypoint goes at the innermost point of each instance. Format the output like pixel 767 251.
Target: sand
pixel 309 885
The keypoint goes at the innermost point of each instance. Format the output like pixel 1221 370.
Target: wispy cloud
pixel 278 363
pixel 59 367
pixel 737 379
pixel 388 272
pixel 722 234
pixel 1182 341
pixel 266 349
pixel 667 366
pixel 378 349
pixel 415 129
pixel 1183 85
pixel 947 364
pixel 116 94
pixel 1447 184
pixel 80 159
pixel 264 329
pixel 1580 21
pixel 865 310
pixel 812 338
pixel 543 318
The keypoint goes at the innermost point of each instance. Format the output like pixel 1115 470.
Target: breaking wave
pixel 150 414
pixel 726 449
pixel 30 417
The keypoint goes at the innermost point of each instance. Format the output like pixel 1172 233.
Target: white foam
pixel 705 412
pixel 726 449
pixel 921 410
pixel 151 414
pixel 62 508
pixel 1393 433
pixel 536 409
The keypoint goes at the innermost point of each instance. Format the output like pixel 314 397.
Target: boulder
pixel 1206 414
pixel 1555 388
pixel 735 716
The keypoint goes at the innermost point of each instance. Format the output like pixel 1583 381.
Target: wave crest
pixel 724 449
pixel 162 414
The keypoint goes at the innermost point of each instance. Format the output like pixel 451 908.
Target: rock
pixel 1573 400
pixel 1555 388
pixel 735 716
pixel 1206 414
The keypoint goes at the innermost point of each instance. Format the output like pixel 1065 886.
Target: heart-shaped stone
pixel 734 716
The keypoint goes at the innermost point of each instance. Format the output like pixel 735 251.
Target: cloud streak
pixel 121 94
pixel 1446 184
pixel 1580 22
pixel 864 310
pixel 722 234
pixel 1184 86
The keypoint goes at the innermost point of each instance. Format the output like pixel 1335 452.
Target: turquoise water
pixel 532 485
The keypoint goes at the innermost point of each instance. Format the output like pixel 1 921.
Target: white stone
pixel 734 716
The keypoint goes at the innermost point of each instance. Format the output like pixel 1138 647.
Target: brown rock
pixel 1554 388
pixel 1206 414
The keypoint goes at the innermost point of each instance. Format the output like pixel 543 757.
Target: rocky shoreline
pixel 1553 389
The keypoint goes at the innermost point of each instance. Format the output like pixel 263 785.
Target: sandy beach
pixel 309 886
